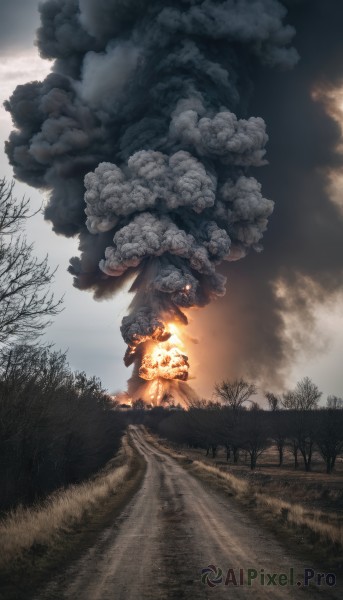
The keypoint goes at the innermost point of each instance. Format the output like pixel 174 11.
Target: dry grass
pixel 24 529
pixel 315 521
pixel 295 514
pixel 322 525
pixel 238 486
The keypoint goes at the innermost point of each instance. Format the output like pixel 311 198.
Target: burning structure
pixel 142 134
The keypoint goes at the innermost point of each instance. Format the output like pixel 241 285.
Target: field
pixel 304 509
pixel 315 490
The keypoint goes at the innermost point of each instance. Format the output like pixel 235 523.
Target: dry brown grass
pixel 297 515
pixel 315 521
pixel 236 485
pixel 325 526
pixel 26 528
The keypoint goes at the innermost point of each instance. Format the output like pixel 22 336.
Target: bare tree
pixel 273 400
pixel 305 396
pixel 254 435
pixel 302 428
pixel 278 431
pixel 306 431
pixel 228 428
pixel 308 394
pixel 26 304
pixel 235 393
pixel 289 400
pixel 334 402
pixel 329 436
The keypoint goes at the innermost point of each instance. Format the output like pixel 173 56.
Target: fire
pixel 156 391
pixel 165 359
pixel 161 364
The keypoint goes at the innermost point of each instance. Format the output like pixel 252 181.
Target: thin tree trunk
pixel 328 465
pixel 295 452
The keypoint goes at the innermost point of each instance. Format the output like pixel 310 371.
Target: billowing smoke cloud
pixel 304 242
pixel 147 108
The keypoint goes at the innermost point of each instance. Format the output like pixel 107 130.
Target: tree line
pixel 56 427
pixel 237 423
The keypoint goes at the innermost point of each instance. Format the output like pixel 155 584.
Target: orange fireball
pixel 165 360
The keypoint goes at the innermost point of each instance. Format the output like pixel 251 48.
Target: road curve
pixel 172 528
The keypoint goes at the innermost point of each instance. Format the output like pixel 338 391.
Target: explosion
pixel 160 358
pixel 143 136
pixel 166 360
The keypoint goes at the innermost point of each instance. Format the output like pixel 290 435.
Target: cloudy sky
pixel 89 330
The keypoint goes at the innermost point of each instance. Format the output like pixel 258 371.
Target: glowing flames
pixel 156 391
pixel 165 359
pixel 161 365
pixel 166 363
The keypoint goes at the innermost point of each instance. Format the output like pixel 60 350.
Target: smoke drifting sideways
pixel 146 108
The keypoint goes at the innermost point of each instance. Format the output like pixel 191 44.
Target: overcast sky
pixel 89 330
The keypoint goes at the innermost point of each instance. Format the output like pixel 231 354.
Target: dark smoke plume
pixel 149 107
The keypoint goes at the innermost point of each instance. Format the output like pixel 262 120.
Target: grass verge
pixel 37 542
pixel 318 533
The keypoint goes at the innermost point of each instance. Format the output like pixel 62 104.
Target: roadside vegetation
pixel 24 529
pixel 57 427
pixel 324 525
pixel 66 464
pixel 42 540
pixel 284 463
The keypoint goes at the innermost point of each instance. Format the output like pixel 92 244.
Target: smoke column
pixel 143 135
pixel 303 247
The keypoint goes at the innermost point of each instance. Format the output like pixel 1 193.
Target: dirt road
pixel 173 528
